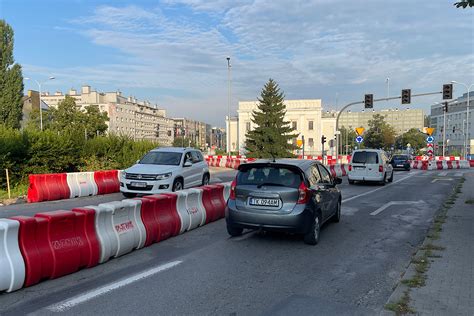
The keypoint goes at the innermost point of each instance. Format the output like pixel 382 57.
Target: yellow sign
pixel 360 130
pixel 299 142
pixel 430 130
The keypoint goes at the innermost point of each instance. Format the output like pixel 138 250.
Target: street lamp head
pixel 26 78
pixel 228 58
pixel 453 81
pixel 52 78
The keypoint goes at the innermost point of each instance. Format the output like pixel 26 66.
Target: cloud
pixel 176 51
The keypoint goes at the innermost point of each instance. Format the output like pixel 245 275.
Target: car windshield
pixel 277 176
pixel 365 157
pixel 400 157
pixel 161 158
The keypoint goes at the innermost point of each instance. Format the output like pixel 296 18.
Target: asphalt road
pixel 217 175
pixel 204 272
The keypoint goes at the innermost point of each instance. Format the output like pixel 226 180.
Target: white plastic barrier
pixel 81 184
pixel 222 162
pixel 12 266
pixel 195 208
pixel 119 228
pixel 226 190
pixel 182 211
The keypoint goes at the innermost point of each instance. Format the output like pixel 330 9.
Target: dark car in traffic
pixel 289 195
pixel 401 162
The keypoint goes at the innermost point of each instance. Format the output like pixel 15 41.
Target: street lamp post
pixel 39 90
pixel 228 102
pixel 466 136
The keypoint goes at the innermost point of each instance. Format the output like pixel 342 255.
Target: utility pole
pixel 229 96
pixel 445 109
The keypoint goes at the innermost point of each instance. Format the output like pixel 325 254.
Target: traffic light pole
pixel 362 102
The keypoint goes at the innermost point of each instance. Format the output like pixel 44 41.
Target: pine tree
pixel 11 80
pixel 271 138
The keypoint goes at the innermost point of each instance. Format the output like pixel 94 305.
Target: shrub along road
pixel 351 271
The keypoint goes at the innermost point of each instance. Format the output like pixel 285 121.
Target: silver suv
pixel 165 169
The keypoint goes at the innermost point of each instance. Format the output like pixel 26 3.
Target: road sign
pixel 430 130
pixel 299 142
pixel 359 139
pixel 429 145
pixel 430 139
pixel 360 130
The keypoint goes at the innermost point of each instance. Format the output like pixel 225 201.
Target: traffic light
pixel 323 139
pixel 447 91
pixel 445 107
pixel 454 129
pixel 369 101
pixel 406 96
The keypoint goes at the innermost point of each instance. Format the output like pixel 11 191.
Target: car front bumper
pixel 149 187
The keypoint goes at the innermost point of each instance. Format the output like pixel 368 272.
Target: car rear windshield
pixel 400 157
pixel 365 157
pixel 161 158
pixel 279 176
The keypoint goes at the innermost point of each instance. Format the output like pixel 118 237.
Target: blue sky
pixel 173 52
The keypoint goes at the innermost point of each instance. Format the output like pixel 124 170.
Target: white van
pixel 370 165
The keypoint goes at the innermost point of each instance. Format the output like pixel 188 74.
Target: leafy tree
pixel 11 80
pixel 272 135
pixel 349 135
pixel 414 137
pixel 464 4
pixel 184 142
pixel 94 121
pixel 380 134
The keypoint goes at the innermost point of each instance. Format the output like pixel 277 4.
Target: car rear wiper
pixel 270 183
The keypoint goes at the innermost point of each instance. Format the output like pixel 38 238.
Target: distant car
pixel 295 196
pixel 401 162
pixel 163 170
pixel 370 165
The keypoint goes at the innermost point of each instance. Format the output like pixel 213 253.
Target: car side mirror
pixel 337 180
pixel 188 164
pixel 138 161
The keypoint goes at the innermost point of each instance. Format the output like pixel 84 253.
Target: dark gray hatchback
pixel 290 195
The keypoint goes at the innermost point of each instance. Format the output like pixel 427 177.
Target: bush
pixel 32 151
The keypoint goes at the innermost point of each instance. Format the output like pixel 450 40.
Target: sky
pixel 173 52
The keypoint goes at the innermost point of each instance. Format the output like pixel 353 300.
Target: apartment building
pixel 127 115
pixel 193 130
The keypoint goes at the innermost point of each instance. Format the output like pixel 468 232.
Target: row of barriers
pixel 59 186
pixel 440 164
pixel 53 244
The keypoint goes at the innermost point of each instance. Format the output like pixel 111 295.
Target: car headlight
pixel 163 176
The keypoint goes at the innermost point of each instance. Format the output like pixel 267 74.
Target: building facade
pixel 400 120
pixel 127 115
pixel 193 130
pixel 303 115
pixel 218 138
pixel 455 125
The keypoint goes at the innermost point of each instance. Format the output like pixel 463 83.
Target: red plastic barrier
pixel 439 165
pixel 236 163
pixel 150 218
pixel 211 212
pixel 107 181
pixel 450 164
pixel 48 187
pixel 57 243
pixel 228 163
pixel 333 172
pixel 165 215
pixel 471 163
pixel 217 199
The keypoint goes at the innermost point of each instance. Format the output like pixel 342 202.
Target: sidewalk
pixel 449 288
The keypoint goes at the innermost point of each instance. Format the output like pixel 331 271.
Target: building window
pixel 310 142
pixel 311 125
pixel 247 126
pixel 294 125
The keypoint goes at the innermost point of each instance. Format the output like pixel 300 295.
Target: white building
pixel 456 124
pixel 304 115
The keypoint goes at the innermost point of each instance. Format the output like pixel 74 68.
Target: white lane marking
pixel 443 174
pixel 68 304
pixel 458 174
pixel 387 205
pixel 216 180
pixel 372 191
pixel 445 179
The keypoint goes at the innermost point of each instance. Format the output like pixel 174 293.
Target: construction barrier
pixel 213 202
pixel 179 199
pixel 48 187
pixel 107 181
pixel 165 214
pixel 12 266
pixel 81 184
pixel 55 244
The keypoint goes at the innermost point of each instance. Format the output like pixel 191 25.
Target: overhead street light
pixel 39 90
pixel 466 136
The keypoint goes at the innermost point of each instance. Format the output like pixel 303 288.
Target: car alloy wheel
pixel 205 179
pixel 178 186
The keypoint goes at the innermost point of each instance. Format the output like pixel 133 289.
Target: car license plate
pixel 264 202
pixel 399 165
pixel 138 184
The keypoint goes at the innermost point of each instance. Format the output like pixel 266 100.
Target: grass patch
pixel 432 247
pixel 469 201
pixel 417 281
pixel 16 191
pixel 401 307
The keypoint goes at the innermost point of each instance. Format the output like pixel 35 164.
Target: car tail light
pixel 380 168
pixel 350 167
pixel 304 193
pixel 232 189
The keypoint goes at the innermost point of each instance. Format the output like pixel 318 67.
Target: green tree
pixel 94 120
pixel 380 134
pixel 11 80
pixel 414 137
pixel 272 135
pixel 464 4
pixel 184 142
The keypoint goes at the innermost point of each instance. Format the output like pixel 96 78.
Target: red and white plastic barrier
pixel 12 266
